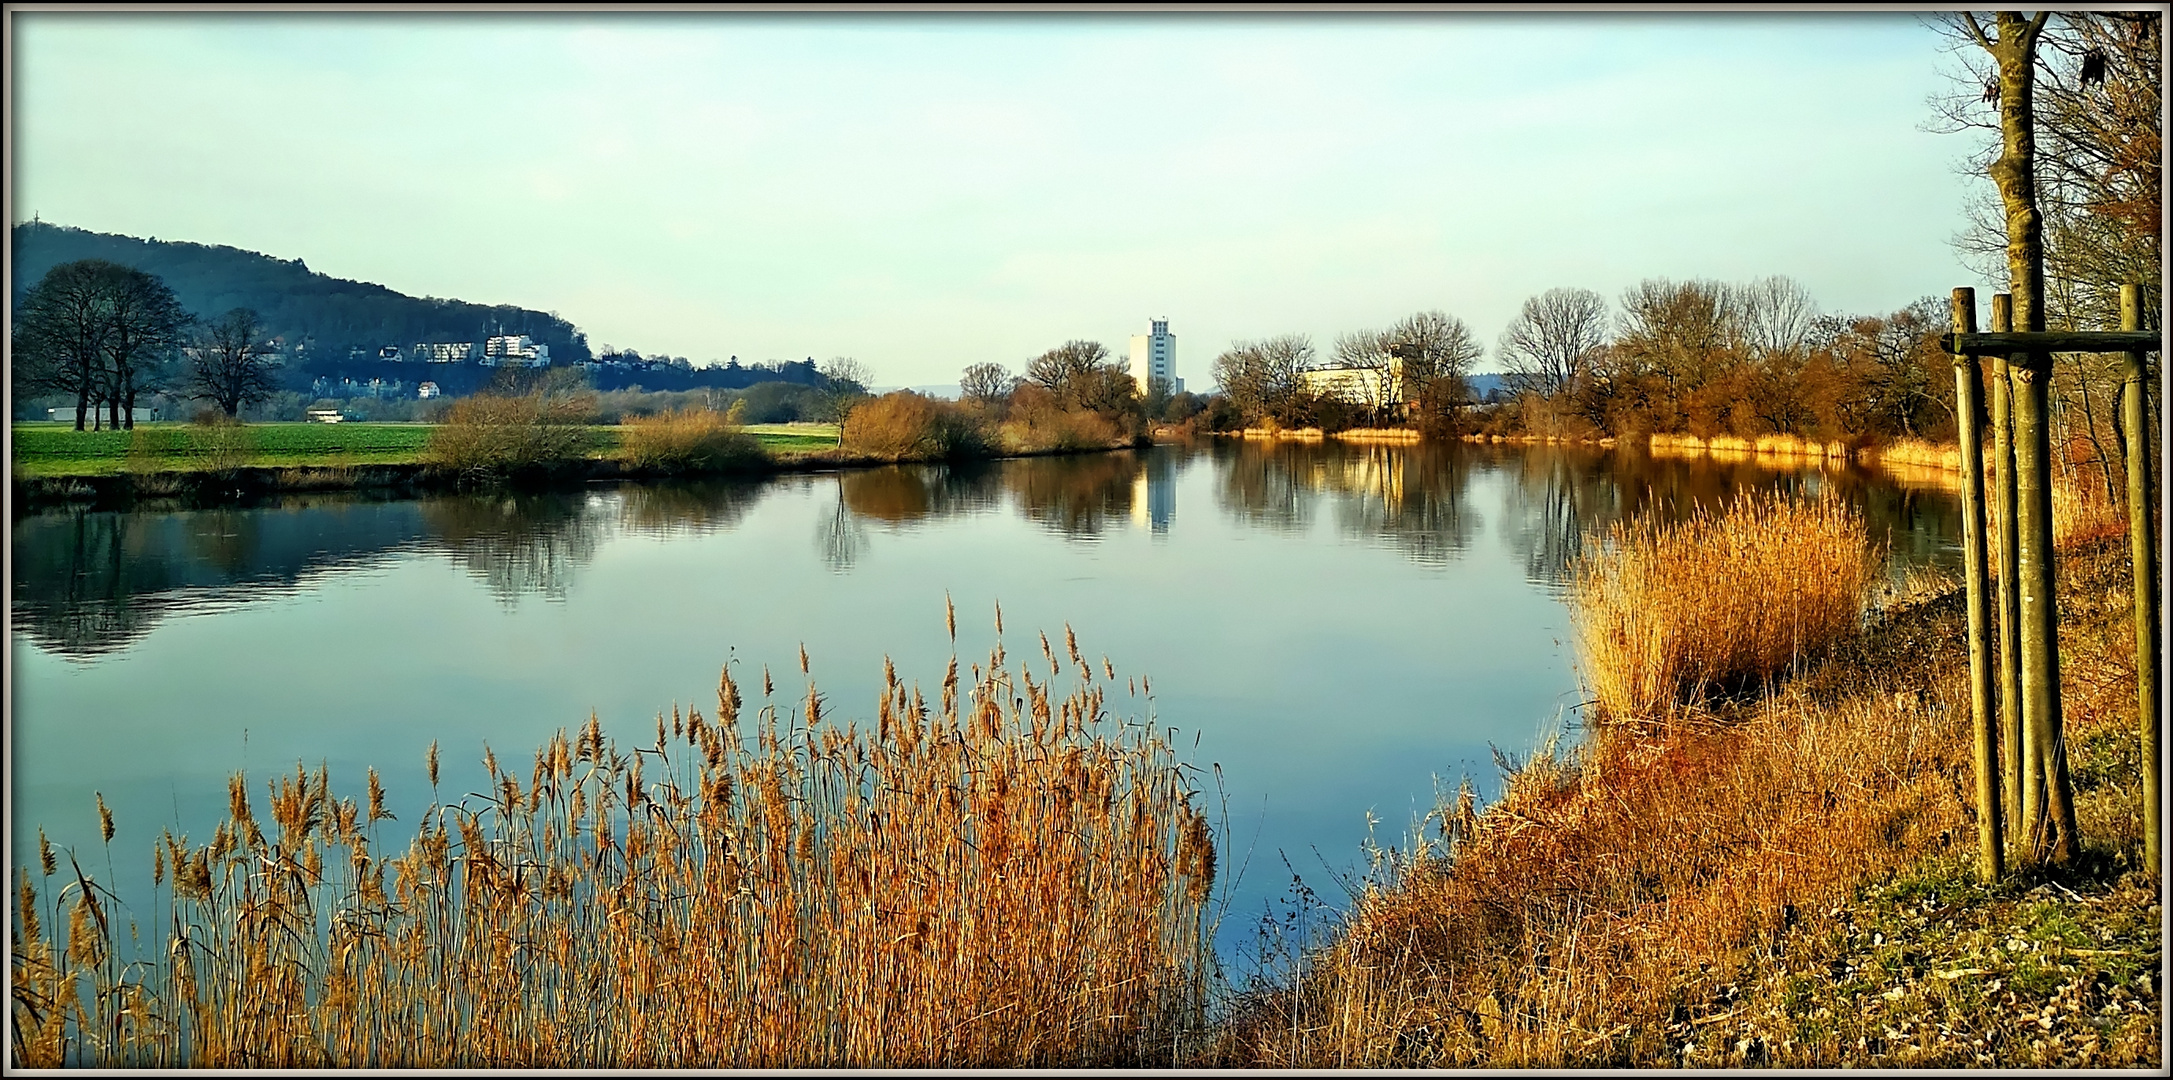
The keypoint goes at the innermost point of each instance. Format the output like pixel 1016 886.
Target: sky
pixel 927 192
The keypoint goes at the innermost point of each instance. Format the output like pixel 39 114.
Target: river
pixel 1341 631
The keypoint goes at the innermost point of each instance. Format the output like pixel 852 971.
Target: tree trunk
pixel 2053 835
pixel 82 406
pixel 2015 171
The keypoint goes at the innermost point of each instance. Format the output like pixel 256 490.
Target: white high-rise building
pixel 1154 356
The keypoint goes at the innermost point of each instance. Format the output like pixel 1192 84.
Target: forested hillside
pixel 331 317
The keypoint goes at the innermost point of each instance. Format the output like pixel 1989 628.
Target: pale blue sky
pixel 929 192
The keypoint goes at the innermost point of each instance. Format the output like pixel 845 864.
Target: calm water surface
pixel 1343 630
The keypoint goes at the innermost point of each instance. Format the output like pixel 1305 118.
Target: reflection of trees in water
pixel 1264 485
pixel 519 543
pixel 1411 495
pixel 1563 496
pixel 1074 494
pixel 90 582
pixel 76 580
pixel 899 496
pixel 669 508
pixel 838 534
pixel 1555 496
pixel 903 494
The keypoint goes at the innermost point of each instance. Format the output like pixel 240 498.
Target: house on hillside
pixel 445 352
pixel 515 350
pixel 427 391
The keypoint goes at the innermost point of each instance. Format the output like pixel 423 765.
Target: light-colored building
pixel 445 352
pixel 427 391
pixel 1357 385
pixel 1154 356
pixel 515 350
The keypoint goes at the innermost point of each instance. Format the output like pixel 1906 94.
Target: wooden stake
pixel 1983 722
pixel 2143 557
pixel 2013 739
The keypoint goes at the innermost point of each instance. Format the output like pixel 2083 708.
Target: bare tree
pixel 987 382
pixel 1262 378
pixel 1548 346
pixel 845 382
pixel 1062 370
pixel 58 340
pixel 1370 351
pixel 1683 332
pixel 1438 352
pixel 231 365
pixel 146 330
pixel 1774 319
pixel 1082 376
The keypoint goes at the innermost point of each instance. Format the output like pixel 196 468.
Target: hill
pixel 324 322
pixel 330 329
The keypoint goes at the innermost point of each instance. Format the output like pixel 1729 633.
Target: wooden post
pixel 1984 722
pixel 2013 739
pixel 2143 557
pixel 2052 833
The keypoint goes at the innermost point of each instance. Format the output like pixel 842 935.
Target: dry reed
pixel 1010 877
pixel 1666 612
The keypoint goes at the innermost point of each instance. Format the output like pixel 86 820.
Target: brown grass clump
pixel 1666 612
pixel 489 436
pixel 1008 877
pixel 683 441
pixel 1918 454
pixel 904 426
pixel 1605 893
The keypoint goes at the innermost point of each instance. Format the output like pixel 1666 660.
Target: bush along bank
pixel 1783 877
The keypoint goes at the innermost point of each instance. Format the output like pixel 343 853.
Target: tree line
pixel 105 334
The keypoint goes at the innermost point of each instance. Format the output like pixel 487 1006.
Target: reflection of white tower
pixel 1154 356
pixel 1154 493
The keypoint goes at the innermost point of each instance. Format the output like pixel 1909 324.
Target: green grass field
pixel 49 449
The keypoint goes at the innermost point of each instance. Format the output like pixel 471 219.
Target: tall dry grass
pixel 691 440
pixel 1666 612
pixel 1010 876
pixel 1612 894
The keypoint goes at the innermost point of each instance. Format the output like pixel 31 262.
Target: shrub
pixel 903 425
pixel 1038 421
pixel 689 441
pixel 1664 612
pixel 492 437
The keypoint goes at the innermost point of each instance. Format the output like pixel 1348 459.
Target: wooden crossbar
pixel 2069 341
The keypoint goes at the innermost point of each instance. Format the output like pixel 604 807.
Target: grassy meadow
pixel 46 449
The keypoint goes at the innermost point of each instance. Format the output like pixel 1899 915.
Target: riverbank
pixel 1785 882
pixel 395 467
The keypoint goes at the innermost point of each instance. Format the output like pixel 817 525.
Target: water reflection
pixel 88 583
pixel 1076 495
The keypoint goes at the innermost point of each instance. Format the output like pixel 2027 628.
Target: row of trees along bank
pixel 105 334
